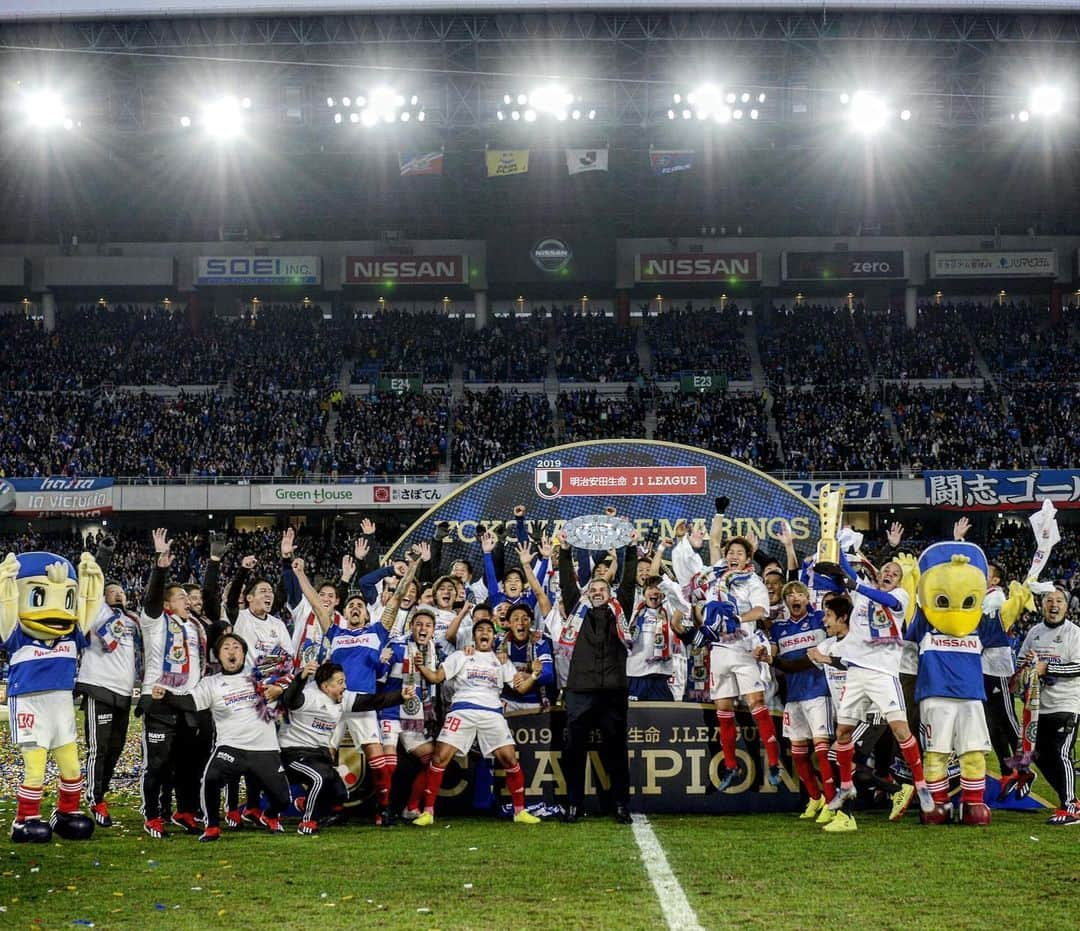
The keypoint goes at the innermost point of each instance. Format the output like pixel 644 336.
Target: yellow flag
pixel 506 162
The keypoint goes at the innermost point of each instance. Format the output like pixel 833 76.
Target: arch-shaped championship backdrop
pixel 651 482
pixel 673 746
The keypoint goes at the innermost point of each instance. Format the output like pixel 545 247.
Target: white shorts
pixel 868 690
pixel 488 727
pixel 393 733
pixel 42 719
pixel 954 725
pixel 733 673
pixel 362 726
pixel 808 720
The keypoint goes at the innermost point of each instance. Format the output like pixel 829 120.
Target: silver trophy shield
pixel 598 532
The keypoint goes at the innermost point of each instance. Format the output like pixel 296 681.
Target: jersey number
pixel 452 724
pixel 25 720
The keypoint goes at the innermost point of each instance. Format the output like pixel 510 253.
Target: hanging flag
pixel 506 162
pixel 579 160
pixel 420 163
pixel 669 161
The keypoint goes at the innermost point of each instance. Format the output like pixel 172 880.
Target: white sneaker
pixel 926 798
pixel 842 795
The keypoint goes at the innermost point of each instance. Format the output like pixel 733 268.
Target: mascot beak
pixel 47 605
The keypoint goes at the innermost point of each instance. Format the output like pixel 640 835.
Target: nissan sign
pixel 841 266
pixel 414 269
pixel 654 267
pixel 551 255
pixel 258 269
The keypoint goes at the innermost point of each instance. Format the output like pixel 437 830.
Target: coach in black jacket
pixel 596 691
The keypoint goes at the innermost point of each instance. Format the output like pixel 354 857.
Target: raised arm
pixel 389 615
pixel 525 556
pixel 236 587
pixel 154 599
pixel 568 584
pixel 323 614
pixel 628 585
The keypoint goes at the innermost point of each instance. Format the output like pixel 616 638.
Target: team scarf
pixel 262 678
pixel 312 642
pixel 176 664
pixel 659 650
pixel 697 688
pixel 530 657
pixel 425 691
pixel 1031 689
pixel 570 630
pixel 716 583
pixel 111 633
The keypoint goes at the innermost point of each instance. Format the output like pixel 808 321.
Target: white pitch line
pixel 677 911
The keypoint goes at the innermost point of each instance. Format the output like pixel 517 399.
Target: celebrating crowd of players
pixel 422 658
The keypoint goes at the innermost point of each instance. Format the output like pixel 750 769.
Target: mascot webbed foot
pixel 34 831
pixel 976 813
pixel 72 825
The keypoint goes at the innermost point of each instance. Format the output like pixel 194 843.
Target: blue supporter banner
pixel 992 490
pixel 60 495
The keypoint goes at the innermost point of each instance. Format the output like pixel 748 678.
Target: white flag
pixel 579 160
pixel 1045 526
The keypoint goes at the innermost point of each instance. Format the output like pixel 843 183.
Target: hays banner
pixel 501 162
pixel 997 490
pixel 697 266
pixel 842 266
pixel 581 160
pixel 413 269
pixel 670 161
pixel 993 264
pixel 60 496
pixel 654 484
pixel 258 269
pixel 423 163
pixel 343 497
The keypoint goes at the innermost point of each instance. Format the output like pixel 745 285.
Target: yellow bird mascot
pixel 45 611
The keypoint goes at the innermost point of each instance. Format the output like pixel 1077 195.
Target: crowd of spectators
pixel 287 347
pixel 428 342
pixel 736 425
pixel 1024 342
pixel 938 347
pixel 589 415
pixel 702 339
pixel 593 347
pixel 493 426
pixel 386 434
pixel 508 349
pixel 812 345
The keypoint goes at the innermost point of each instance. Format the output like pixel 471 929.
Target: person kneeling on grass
pixel 476 713
pixel 247 743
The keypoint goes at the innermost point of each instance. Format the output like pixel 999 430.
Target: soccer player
pixel 530 654
pixel 476 715
pixel 268 640
pixel 808 714
pixel 1053 648
pixel 655 628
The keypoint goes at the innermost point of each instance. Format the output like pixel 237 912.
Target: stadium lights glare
pixel 380 105
pixel 710 101
pixel 552 99
pixel 867 112
pixel 45 109
pixel 222 118
pixel 1046 100
pixel 549 100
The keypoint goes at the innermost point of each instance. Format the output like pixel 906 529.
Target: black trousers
pixel 1054 753
pixel 173 753
pixel 604 711
pixel 105 726
pixel 315 771
pixel 1001 720
pixel 228 762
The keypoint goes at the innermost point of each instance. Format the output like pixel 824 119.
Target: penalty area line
pixel 673 902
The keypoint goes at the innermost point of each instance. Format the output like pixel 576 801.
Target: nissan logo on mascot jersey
pixel 551 255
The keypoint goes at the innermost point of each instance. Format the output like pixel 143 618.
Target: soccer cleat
pixel 843 794
pixel 523 817
pixel 901 801
pixel 1024 781
pixel 976 813
pixel 1062 816
pixel 410 814
pixel 252 814
pixel 155 827
pixel 926 798
pixel 842 823
pixel 622 814
pixel 385 818
pixel 813 808
pixel 827 814
pixel 726 776
pixel 572 815
pixel 100 813
pixel 425 820
pixel 300 803
pixel 273 825
pixel 310 828
pixel 186 820
pixel 233 819
pixel 32 831
pixel 210 834
pixel 774 775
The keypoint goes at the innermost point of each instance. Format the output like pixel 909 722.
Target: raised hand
pixel 424 549
pixel 697 538
pixel 288 543
pixel 361 548
pixel 367 527
pixel 752 539
pixel 961 528
pixel 161 542
pixel 784 534
pixel 895 533
pixel 524 551
pixel 488 541
pixel 348 567
pixel 544 549
pixel 297 566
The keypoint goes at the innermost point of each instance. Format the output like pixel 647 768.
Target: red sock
pixel 801 758
pixel 419 784
pixel 389 765
pixel 764 723
pixel 434 783
pixel 972 791
pixel 828 786
pixel 940 791
pixel 515 782
pixel 29 803
pixel 726 720
pixel 910 749
pixel 378 779
pixel 845 760
pixel 70 795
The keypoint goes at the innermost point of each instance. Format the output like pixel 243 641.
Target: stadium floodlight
pixel 737 114
pixel 1046 100
pixel 515 115
pixel 671 114
pixel 420 117
pixel 330 102
pixel 346 101
pixel 592 114
pixel 222 118
pixel 354 117
pixel 1023 116
pixel 575 114
pixel 868 112
pixel 338 118
pixel 551 99
pixel 368 118
pixel 905 115
pixel 706 99
pixel 45 109
pixel 687 114
pixel 530 116
pixel 499 115
pixel 382 101
pixel 754 114
pixel 185 121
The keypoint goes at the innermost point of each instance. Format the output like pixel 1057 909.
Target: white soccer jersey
pixel 1057 646
pixel 234 703
pixel 109 659
pixel 748 593
pixel 834 676
pixel 874 640
pixel 646 655
pixel 316 724
pixel 172 652
pixel 265 637
pixel 478 680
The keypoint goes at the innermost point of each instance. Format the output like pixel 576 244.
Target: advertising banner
pixel 581 160
pixel 856 491
pixel 344 497
pixel 997 490
pixel 842 266
pixel 501 162
pixel 653 484
pixel 412 269
pixel 61 496
pixel 258 270
pixel 670 161
pixel 993 264
pixel 655 267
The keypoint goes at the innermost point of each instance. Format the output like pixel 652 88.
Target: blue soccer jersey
pixel 357 652
pixel 951 666
pixel 522 656
pixel 792 639
pixel 42 665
